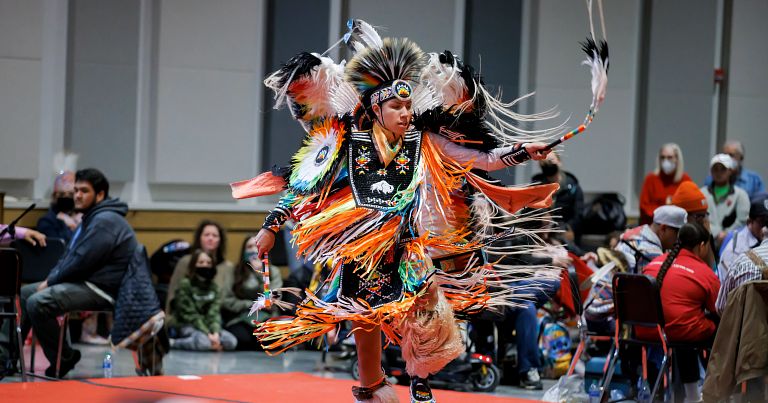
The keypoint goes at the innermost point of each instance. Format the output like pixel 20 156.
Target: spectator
pixel 746 238
pixel 211 238
pixel 728 204
pixel 688 287
pixel 241 288
pixel 89 274
pixel 569 200
pixel 197 308
pixel 744 178
pixel 661 184
pixel 688 196
pixel 751 266
pixel 640 245
pixel 29 235
pixel 61 219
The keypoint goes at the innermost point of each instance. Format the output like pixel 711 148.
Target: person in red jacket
pixel 689 291
pixel 661 184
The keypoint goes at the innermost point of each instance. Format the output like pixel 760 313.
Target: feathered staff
pixel 597 60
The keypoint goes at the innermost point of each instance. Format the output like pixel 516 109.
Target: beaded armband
pixel 275 219
pixel 517 156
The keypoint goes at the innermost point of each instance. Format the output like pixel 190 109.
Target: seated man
pixel 728 204
pixel 742 177
pixel 89 274
pixel 750 266
pixel 642 244
pixel 745 238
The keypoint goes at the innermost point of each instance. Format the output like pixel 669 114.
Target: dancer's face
pixel 395 115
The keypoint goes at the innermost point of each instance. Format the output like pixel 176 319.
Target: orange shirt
pixel 656 192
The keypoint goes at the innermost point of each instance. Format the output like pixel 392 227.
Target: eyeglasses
pixel 700 216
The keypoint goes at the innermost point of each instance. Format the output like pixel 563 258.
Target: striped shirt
pixel 742 270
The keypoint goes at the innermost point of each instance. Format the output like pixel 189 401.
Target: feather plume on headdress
pixel 396 59
pixel 312 86
pixel 362 35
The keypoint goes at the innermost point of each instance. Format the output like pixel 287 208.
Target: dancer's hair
pixel 690 235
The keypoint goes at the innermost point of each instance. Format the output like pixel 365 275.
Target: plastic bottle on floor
pixel 107 365
pixel 594 393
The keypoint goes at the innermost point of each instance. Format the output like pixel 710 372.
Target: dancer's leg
pixel 368 341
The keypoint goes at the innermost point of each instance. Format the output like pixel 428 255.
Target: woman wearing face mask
pixel 238 291
pixel 569 200
pixel 661 184
pixel 196 307
pixel 61 219
pixel 210 237
pixel 689 291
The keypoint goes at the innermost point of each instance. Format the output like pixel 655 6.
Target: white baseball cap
pixel 723 159
pixel 671 216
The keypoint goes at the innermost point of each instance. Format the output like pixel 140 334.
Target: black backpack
pixel 605 214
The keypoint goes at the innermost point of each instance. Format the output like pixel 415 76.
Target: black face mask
pixel 549 169
pixel 206 273
pixel 64 205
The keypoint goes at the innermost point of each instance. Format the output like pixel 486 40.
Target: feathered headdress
pixel 381 73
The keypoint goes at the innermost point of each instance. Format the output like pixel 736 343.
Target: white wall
pixel 207 63
pixel 196 118
pixel 21 30
pixel 748 86
pixel 602 158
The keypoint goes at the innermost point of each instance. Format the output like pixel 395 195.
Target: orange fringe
pixel 447 176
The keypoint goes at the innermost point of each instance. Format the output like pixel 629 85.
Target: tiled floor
pixel 246 362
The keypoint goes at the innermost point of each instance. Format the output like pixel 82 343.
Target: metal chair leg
pixel 17 308
pixel 63 329
pixel 606 381
pixel 32 351
pixel 660 376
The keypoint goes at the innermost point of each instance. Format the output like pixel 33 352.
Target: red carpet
pixel 285 387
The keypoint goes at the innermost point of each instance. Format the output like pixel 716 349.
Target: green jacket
pixel 197 304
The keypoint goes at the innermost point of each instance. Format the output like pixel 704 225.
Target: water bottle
pixel 643 391
pixel 107 365
pixel 594 393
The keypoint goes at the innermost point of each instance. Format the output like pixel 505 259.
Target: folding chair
pixel 637 302
pixel 584 334
pixel 10 285
pixel 37 262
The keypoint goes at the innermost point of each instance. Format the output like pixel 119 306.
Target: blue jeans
pixel 527 332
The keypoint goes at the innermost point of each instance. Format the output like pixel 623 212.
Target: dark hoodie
pixel 101 252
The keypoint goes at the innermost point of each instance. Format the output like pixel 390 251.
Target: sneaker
pixel 66 365
pixel 531 380
pixel 93 339
pixel 420 391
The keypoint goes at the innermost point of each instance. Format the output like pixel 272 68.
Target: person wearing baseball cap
pixel 642 244
pixel 728 204
pixel 689 198
pixel 747 237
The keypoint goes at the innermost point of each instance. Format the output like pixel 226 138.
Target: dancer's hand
pixel 265 241
pixel 537 151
